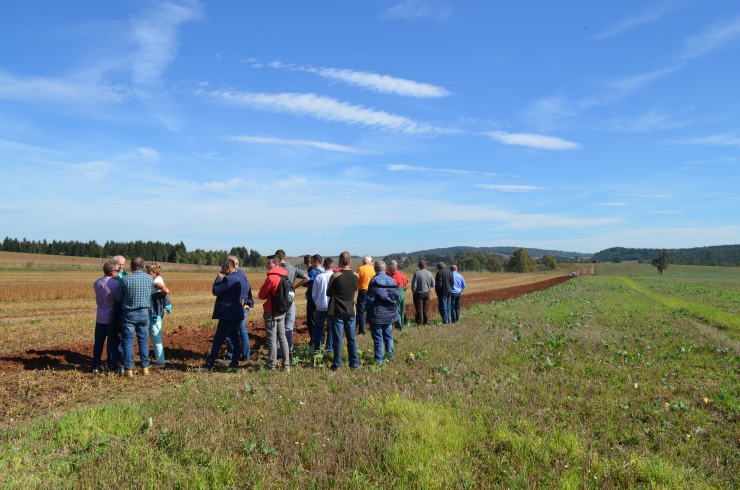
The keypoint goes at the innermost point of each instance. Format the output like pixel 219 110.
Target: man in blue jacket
pixel 247 304
pixel 382 311
pixel 229 290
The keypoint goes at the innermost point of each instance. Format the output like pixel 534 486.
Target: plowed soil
pixel 188 346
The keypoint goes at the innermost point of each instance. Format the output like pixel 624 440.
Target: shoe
pixel 157 366
pixel 334 368
pixel 224 362
pixel 96 371
pixel 204 369
pixel 128 373
pixel 145 371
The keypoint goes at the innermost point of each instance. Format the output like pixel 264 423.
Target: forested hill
pixel 728 255
pixel 534 252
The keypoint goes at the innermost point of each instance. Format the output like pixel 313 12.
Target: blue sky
pixel 376 127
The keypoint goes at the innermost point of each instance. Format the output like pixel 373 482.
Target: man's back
pixel 422 282
pixel 318 292
pixel 341 292
pixel 134 291
pixel 444 281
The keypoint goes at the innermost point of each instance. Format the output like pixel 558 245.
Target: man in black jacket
pixel 443 283
pixel 341 293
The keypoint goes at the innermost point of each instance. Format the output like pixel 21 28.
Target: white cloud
pixel 509 187
pixel 715 37
pixel 322 145
pixel 413 10
pixel 649 14
pixel 453 171
pixel 148 152
pixel 38 89
pixel 257 65
pixel 715 140
pixel 326 109
pixel 156 33
pixel 533 140
pixel 383 83
pixel 248 60
pixel 627 85
pixel 228 186
pixel 611 204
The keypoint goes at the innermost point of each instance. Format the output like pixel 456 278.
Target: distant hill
pixel 726 255
pixel 534 252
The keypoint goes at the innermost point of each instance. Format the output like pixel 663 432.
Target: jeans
pixel 102 333
pixel 456 302
pixel 225 328
pixel 275 332
pixel 289 324
pixel 155 333
pixel 382 338
pixel 421 305
pixel 244 337
pixel 348 326
pixel 135 323
pixel 321 317
pixel 444 304
pixel 361 299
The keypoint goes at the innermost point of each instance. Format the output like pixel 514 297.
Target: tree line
pixel 720 255
pixel 477 261
pixel 155 251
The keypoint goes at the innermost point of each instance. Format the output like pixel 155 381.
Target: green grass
pixel 602 382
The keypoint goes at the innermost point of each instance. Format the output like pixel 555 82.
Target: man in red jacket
pixel 274 320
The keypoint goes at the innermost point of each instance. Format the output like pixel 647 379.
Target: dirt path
pixel 186 345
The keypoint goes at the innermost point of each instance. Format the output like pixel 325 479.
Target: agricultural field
pixel 624 379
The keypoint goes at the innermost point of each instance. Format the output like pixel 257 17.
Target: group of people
pixel 128 306
pixel 340 304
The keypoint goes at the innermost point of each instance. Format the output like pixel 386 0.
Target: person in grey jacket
pixel 382 310
pixel 421 284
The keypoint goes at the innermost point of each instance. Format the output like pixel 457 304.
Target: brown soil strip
pixel 186 345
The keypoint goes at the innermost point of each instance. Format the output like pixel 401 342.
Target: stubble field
pixel 626 379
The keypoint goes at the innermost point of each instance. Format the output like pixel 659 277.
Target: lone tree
pixel 661 261
pixel 549 262
pixel 521 261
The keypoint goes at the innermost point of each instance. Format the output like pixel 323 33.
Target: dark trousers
pixel 106 336
pixel 310 312
pixel 456 302
pixel 225 328
pixel 361 298
pixel 444 305
pixel 421 305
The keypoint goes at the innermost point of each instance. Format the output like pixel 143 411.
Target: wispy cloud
pixel 156 33
pixel 39 89
pixel 384 83
pixel 714 140
pixel 230 186
pixel 257 65
pixel 148 152
pixel 630 84
pixel 431 170
pixel 413 10
pixel 713 38
pixel 649 121
pixel 321 145
pixel 326 109
pixel 644 16
pixel 509 187
pixel 372 81
pixel 533 140
pixel 611 204
pixel 665 212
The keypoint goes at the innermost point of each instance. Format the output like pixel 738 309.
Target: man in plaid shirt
pixel 134 293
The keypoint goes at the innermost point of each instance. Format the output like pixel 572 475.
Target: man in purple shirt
pixel 105 297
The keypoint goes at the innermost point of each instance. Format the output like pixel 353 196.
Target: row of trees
pixel 476 261
pixel 157 251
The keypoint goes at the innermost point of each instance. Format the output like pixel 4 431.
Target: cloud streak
pixel 382 83
pixel 156 34
pixel 40 89
pixel 533 140
pixel 325 109
pixel 509 187
pixel 650 14
pixel 413 10
pixel 713 38
pixel 321 145
pixel 450 171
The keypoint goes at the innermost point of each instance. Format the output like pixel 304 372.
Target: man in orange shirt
pixel 403 284
pixel 366 272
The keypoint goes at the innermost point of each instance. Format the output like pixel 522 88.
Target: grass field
pixel 610 381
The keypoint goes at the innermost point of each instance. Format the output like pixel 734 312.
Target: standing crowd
pixel 340 303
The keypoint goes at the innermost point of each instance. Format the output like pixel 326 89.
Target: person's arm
pixel 301 275
pixel 463 283
pixel 119 292
pixel 163 290
pixel 265 290
pixel 248 302
pixel 220 285
pixel 330 286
